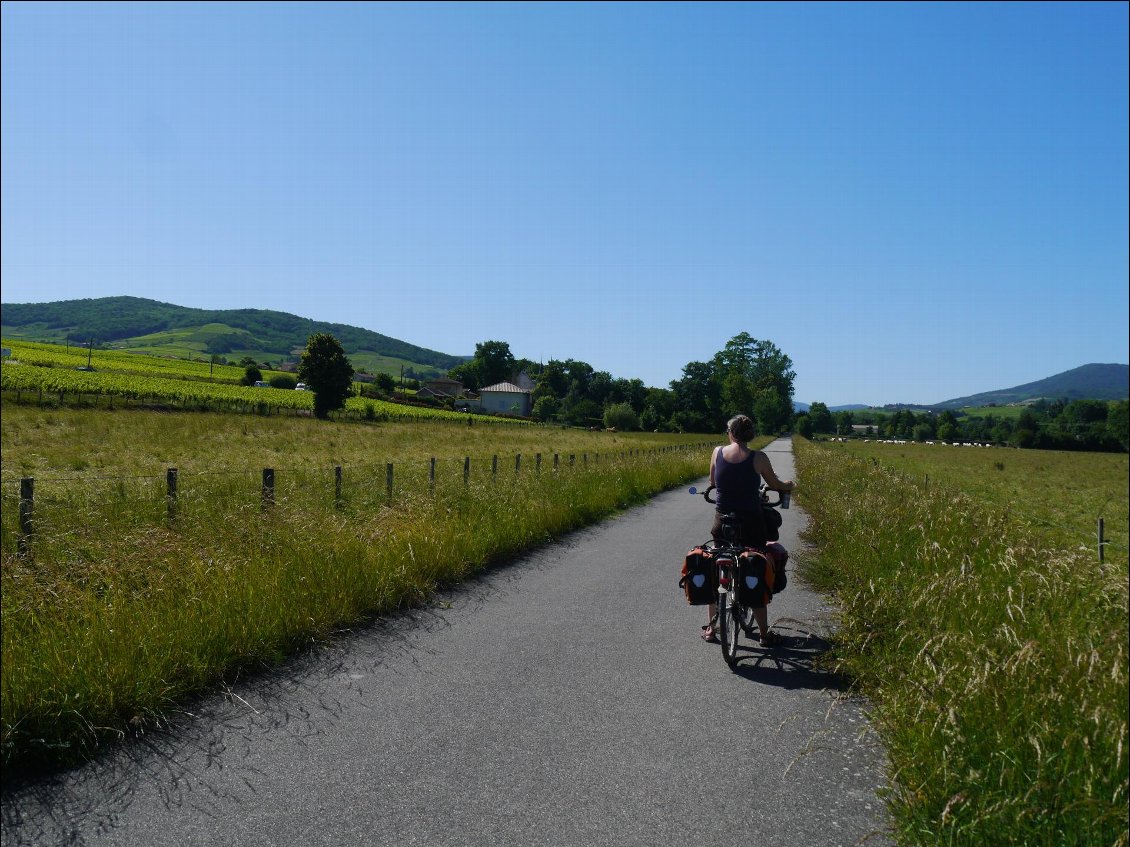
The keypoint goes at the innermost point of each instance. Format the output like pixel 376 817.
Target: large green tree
pixel 492 363
pixel 756 375
pixel 821 418
pixel 327 372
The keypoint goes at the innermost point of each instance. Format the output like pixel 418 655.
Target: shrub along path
pixel 565 698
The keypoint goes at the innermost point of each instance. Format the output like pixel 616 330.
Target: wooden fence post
pixel 1102 543
pixel 337 487
pixel 268 487
pixel 537 463
pixel 27 508
pixel 171 493
pixel 494 467
pixel 555 461
pixel 466 470
pixel 518 464
pixel 388 480
pixel 432 477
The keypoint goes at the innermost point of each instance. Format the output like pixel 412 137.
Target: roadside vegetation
pixel 126 604
pixel 1057 495
pixel 1085 425
pixel 991 641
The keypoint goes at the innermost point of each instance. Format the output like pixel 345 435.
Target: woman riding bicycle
pixel 736 472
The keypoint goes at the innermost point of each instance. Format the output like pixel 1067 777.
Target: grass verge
pixel 121 612
pixel 997 661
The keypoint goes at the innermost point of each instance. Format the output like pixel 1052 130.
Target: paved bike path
pixel 565 699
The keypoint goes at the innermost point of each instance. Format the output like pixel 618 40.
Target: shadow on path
pixel 792 664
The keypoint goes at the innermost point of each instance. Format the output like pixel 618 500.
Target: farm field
pixel 49 373
pixel 1058 493
pixel 67 443
pixel 130 600
pixel 977 618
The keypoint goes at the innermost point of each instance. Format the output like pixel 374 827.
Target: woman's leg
pixel 761 615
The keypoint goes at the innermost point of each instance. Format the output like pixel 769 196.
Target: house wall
pixel 504 401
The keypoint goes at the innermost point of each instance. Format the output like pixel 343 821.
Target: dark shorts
pixel 752 528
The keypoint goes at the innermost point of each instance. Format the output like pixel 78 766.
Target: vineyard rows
pixel 45 369
pixel 53 355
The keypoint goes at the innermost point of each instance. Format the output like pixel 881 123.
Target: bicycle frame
pixel 732 615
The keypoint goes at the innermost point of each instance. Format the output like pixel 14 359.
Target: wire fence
pixel 31 505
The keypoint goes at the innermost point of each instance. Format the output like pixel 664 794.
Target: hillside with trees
pixel 264 335
pixel 1087 382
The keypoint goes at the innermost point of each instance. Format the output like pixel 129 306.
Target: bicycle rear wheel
pixel 729 626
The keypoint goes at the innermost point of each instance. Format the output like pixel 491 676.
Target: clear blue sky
pixel 914 202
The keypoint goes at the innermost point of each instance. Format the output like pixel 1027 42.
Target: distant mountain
pixel 804 407
pixel 1088 382
pixel 148 326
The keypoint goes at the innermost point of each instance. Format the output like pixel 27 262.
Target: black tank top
pixel 739 485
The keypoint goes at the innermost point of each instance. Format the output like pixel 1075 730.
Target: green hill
pixel 1088 382
pixel 147 326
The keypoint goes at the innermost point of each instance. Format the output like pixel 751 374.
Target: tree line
pixel 1098 425
pixel 748 376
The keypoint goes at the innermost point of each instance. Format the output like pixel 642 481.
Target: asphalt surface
pixel 563 699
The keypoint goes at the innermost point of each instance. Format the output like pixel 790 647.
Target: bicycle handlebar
pixel 783 497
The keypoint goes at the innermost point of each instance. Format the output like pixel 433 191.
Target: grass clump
pixel 996 658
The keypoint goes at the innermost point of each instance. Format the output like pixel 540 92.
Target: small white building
pixel 505 397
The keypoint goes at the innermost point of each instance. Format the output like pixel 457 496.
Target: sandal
pixel 708 634
pixel 770 639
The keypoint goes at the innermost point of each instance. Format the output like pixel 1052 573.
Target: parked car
pixel 300 387
pixel 261 384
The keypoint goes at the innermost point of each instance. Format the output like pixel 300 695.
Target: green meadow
pixel 989 638
pixel 1058 494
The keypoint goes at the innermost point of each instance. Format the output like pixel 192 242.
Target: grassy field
pixel 124 607
pixel 47 374
pixel 992 643
pixel 1059 494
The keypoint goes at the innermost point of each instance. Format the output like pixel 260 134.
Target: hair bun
pixel 741 427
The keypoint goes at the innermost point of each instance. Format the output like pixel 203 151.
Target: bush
pixel 287 382
pixel 251 375
pixel 621 416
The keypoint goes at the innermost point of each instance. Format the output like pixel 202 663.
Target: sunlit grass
pixel 996 656
pixel 1057 493
pixel 124 606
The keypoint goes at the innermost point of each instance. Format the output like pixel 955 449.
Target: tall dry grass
pixel 997 662
pixel 120 612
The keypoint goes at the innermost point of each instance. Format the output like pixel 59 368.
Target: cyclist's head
pixel 741 427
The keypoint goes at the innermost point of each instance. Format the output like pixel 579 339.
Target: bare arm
pixel 762 465
pixel 713 457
